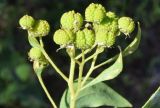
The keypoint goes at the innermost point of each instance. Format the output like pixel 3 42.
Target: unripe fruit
pixel 71 20
pixel 95 13
pixel 105 38
pixel 35 54
pixel 63 37
pixel 108 24
pixel 126 25
pixel 40 29
pixel 26 22
pixel 85 39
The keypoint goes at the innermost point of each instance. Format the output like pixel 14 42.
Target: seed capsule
pixel 84 39
pixel 95 13
pixel 105 38
pixel 63 37
pixel 71 20
pixel 26 22
pixel 126 25
pixel 40 29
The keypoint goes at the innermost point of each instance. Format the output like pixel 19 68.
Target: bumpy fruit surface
pixel 35 54
pixel 41 28
pixel 108 24
pixel 84 39
pixel 26 22
pixel 71 20
pixel 63 37
pixel 126 25
pixel 95 13
pixel 105 38
pixel 111 14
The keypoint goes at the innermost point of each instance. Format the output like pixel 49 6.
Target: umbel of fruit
pixel 71 20
pixel 95 13
pixel 40 29
pixel 63 37
pixel 126 25
pixel 26 22
pixel 84 38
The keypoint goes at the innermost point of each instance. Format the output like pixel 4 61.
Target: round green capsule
pixel 26 22
pixel 63 37
pixel 126 25
pixel 105 38
pixel 85 39
pixel 35 54
pixel 95 13
pixel 71 20
pixel 40 29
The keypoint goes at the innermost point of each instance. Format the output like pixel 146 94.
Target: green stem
pixel 92 67
pixel 108 61
pixel 85 52
pixel 81 66
pixel 46 91
pixel 71 83
pixel 51 62
pixel 54 66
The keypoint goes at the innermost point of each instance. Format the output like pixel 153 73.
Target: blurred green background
pixel 19 87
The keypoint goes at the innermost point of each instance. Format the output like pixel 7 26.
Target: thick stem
pixel 46 91
pixel 71 83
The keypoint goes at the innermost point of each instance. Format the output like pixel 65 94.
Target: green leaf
pixel 95 96
pixel 132 47
pixel 109 73
pixel 33 42
pixel 154 101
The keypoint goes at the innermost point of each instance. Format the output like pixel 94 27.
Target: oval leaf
pixel 154 101
pixel 95 96
pixel 109 73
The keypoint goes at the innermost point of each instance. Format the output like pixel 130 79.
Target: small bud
pixel 63 37
pixel 71 20
pixel 40 29
pixel 95 13
pixel 105 38
pixel 84 39
pixel 35 54
pixel 26 22
pixel 126 25
pixel 111 14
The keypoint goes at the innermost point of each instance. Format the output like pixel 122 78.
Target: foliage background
pixel 19 87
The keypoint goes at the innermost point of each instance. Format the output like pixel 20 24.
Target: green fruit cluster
pixel 100 28
pixel 36 28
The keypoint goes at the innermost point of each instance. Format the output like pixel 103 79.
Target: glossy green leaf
pixel 154 101
pixel 95 96
pixel 33 42
pixel 109 73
